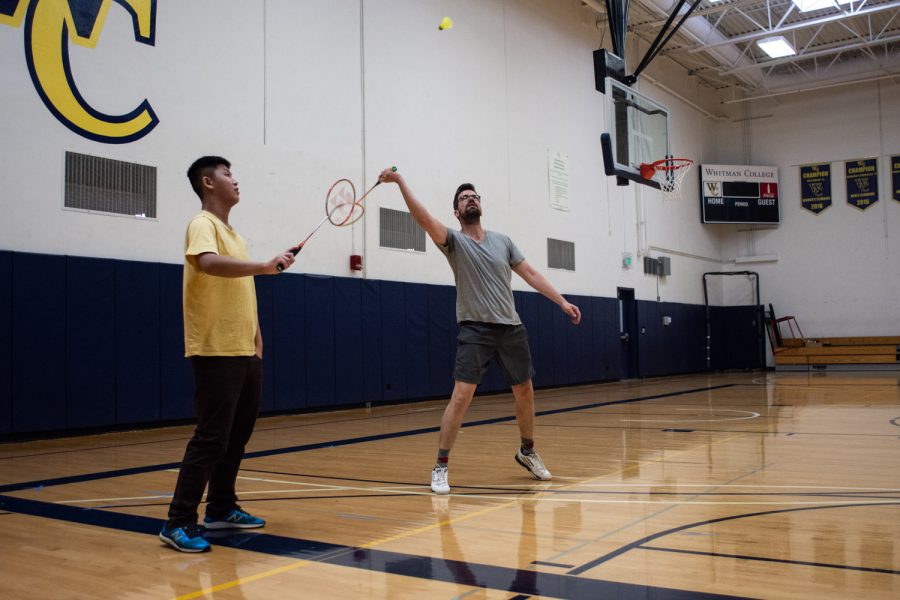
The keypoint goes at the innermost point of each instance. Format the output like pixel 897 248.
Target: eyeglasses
pixel 471 197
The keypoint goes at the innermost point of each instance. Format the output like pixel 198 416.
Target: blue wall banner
pixel 895 178
pixel 862 182
pixel 815 187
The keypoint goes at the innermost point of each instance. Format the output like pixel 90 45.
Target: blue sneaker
pixel 185 539
pixel 236 519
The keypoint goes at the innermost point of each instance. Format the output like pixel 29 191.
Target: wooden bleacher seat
pixel 835 353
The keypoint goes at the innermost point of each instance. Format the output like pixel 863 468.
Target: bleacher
pixel 795 352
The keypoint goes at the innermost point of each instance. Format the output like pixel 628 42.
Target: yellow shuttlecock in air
pixel 446 23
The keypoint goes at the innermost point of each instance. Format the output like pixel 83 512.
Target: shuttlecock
pixel 446 23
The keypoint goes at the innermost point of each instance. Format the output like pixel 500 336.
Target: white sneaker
pixel 439 482
pixel 534 464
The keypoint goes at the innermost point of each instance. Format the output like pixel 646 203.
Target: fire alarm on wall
pixel 355 262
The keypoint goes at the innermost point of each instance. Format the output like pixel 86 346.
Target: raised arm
pixel 535 279
pixel 436 230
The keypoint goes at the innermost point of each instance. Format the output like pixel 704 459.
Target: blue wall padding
pixel 6 342
pixel 393 340
pixel 349 352
pixel 371 336
pixel 542 337
pixel 442 333
pixel 580 347
pixel 137 346
pixel 606 337
pixel 288 341
pixel 265 308
pixel 678 348
pixel 177 384
pixel 90 342
pixel 319 312
pixel 416 340
pixel 38 342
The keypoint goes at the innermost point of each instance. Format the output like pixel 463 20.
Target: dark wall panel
pixel 6 394
pixel 393 345
pixel 137 342
pixel 38 342
pixel 265 307
pixel 542 340
pixel 319 312
pixel 90 342
pixel 416 350
pixel 177 382
pixel 736 340
pixel 288 341
pixel 348 340
pixel 442 331
pixel 371 336
pixel 676 348
pixel 580 343
pixel 611 342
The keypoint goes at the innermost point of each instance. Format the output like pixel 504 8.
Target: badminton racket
pixel 342 208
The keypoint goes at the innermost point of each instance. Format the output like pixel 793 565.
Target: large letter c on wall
pixel 49 25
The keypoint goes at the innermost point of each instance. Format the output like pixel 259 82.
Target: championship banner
pixel 815 187
pixel 862 182
pixel 895 178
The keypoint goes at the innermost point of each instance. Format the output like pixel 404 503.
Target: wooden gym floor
pixel 764 485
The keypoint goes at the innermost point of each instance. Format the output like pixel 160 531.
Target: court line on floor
pixel 643 541
pixel 14 487
pixel 804 563
pixel 364 557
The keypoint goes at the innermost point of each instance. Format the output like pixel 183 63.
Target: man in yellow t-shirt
pixel 223 341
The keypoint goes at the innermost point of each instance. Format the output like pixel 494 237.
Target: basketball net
pixel 668 173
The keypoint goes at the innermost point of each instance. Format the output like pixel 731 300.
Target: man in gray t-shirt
pixel 489 327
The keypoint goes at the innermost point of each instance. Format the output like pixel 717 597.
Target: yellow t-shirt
pixel 220 317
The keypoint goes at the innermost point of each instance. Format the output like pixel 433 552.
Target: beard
pixel 470 215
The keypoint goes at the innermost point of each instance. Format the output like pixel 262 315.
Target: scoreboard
pixel 739 194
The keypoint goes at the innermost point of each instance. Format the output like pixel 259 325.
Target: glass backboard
pixel 637 133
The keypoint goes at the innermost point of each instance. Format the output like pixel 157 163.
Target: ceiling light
pixel 776 46
pixel 808 5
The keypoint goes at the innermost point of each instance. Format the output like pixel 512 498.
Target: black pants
pixel 227 391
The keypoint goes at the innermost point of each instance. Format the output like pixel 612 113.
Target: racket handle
pixel 295 250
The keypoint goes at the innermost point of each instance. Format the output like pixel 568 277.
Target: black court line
pixel 773 560
pixel 643 541
pixel 519 581
pixel 40 483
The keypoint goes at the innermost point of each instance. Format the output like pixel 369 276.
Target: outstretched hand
pixel 389 175
pixel 573 312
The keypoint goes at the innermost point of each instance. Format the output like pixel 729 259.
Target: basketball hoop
pixel 668 173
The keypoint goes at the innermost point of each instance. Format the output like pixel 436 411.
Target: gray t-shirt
pixel 482 271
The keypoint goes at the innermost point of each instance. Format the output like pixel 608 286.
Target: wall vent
pixel 110 186
pixel 560 254
pixel 398 229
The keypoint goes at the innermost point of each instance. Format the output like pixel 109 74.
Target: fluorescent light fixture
pixel 776 46
pixel 808 5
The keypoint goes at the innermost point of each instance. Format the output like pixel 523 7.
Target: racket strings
pixel 341 206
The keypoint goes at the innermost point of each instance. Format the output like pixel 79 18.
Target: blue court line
pixel 775 560
pixel 15 487
pixel 519 581
pixel 643 541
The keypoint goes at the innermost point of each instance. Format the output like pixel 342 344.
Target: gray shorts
pixel 477 343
